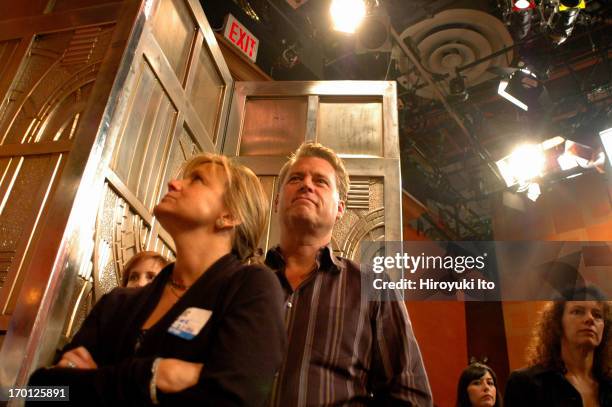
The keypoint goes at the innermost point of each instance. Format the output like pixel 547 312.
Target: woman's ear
pixel 227 221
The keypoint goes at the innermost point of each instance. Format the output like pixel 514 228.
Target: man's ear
pixel 341 209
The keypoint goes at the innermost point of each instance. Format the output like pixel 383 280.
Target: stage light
pixel 533 192
pixel 606 140
pixel 524 164
pixel 521 88
pixel 521 5
pixel 347 14
pixel 570 4
pixel 567 161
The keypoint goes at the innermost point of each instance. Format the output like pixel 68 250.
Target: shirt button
pixel 289 304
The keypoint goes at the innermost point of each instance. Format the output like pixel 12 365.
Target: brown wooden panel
pixel 13 9
pixel 273 126
pixel 7 49
pixel 65 5
pixel 174 30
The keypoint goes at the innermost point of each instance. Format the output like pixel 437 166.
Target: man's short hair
pixel 312 149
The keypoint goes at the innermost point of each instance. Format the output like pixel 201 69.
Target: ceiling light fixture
pixel 523 89
pixel 520 5
pixel 606 140
pixel 524 164
pixel 347 15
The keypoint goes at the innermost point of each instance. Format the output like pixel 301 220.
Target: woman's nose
pixel 173 185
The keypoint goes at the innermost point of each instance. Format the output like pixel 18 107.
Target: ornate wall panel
pixel 46 100
pixel 51 105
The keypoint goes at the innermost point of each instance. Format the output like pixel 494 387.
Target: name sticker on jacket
pixel 190 322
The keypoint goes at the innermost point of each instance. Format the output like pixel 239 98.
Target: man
pixel 343 349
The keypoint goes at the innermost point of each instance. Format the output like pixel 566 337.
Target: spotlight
pixel 373 34
pixel 564 20
pixel 533 192
pixel 457 89
pixel 523 89
pixel 347 14
pixel 606 140
pixel 577 154
pixel 520 5
pixel 524 164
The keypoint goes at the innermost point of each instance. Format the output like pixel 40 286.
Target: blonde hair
pixel 246 200
pixel 312 149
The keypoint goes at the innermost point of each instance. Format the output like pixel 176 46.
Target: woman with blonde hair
pixel 209 329
pixel 570 358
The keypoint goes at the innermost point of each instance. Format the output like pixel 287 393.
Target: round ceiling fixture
pixel 452 39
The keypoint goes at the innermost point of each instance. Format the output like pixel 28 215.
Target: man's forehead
pixel 313 165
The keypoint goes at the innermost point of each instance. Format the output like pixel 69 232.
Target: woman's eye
pixel 133 277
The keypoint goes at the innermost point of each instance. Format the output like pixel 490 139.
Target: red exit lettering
pixel 241 37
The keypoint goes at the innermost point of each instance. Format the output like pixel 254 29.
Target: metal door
pixel 269 120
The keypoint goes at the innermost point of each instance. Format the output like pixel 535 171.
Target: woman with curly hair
pixel 570 356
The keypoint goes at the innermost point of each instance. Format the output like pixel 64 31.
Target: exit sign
pixel 242 38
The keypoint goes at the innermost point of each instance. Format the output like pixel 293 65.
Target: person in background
pixel 570 359
pixel 477 387
pixel 142 268
pixel 209 329
pixel 343 349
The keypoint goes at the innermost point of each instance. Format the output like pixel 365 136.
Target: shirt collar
pixel 325 260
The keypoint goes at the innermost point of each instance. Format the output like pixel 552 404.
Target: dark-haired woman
pixel 569 359
pixel 477 387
